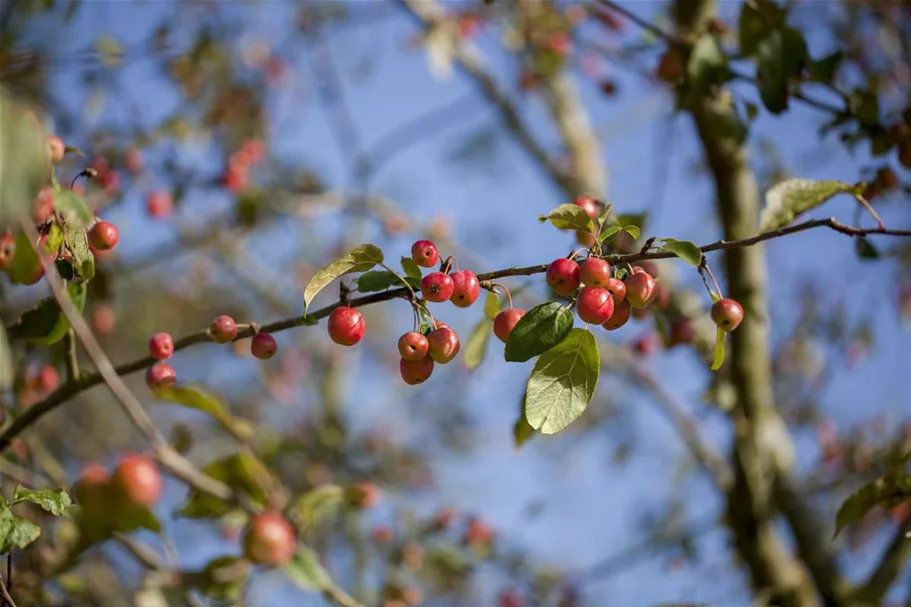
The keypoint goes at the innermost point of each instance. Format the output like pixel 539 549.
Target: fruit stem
pixel 447 265
pixel 870 210
pixel 403 281
pixel 578 252
pixel 494 285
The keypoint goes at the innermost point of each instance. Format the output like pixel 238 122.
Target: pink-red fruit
pixel 413 347
pixel 263 346
pixel 159 204
pixel 727 314
pixel 444 345
pixel 136 481
pixel 595 272
pixel 640 289
pixel 56 147
pixel 680 333
pixel 7 251
pixel 269 540
pixel 595 305
pixel 617 288
pixel 437 287
pixel 563 276
pixel 425 253
pixel 346 326
pixel 91 490
pixel 506 321
pixel 466 288
pixel 223 329
pixel 160 375
pixel 161 346
pixel 104 236
pixel 416 372
pixel 588 205
pixel 620 316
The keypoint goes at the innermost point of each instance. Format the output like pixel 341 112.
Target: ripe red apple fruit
pixel 466 288
pixel 506 321
pixel 104 236
pixel 136 481
pixel 588 205
pixel 620 316
pixel 161 346
pixel 727 314
pixel 640 289
pixel 437 287
pixel 223 329
pixel 595 305
pixel 617 288
pixel 269 540
pixel 263 346
pixel 159 204
pixel 160 375
pixel 346 326
pixel 563 276
pixel 443 345
pixel 425 253
pixel 595 272
pixel 413 346
pixel 91 490
pixel 416 372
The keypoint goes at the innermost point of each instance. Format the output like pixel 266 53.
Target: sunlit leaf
pixel 787 200
pixel 55 501
pixel 569 217
pixel 718 358
pixel 542 328
pixel 306 571
pixel 491 305
pixel 46 324
pixel 358 259
pixel 202 400
pixel 887 491
pixel 477 344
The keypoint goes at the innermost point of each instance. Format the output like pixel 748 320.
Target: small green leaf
pixel 307 572
pixel 23 158
pixel 750 29
pixel 542 328
pixel 15 531
pixel 477 344
pixel 865 248
pixel 73 207
pixel 412 270
pixel 55 501
pixel 826 69
pixel 45 324
pixel 609 233
pixel 25 263
pixel 77 245
pixel 224 578
pixel 318 504
pixel 687 251
pixel 376 280
pixel 241 471
pixel 569 217
pixel 887 491
pixel 522 431
pixel 787 200
pixel 491 305
pixel 562 382
pixel 718 359
pixel 358 259
pixel 604 216
pixel 780 57
pixel 633 230
pixel 202 400
pixel 127 519
pixel 73 150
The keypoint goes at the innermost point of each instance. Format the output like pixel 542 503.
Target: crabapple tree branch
pixel 89 380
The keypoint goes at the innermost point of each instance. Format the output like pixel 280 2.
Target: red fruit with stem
pixel 649 267
pixel 223 329
pixel 111 182
pixel 161 346
pixel 362 495
pixel 640 289
pixel 588 205
pixel 563 276
pixel 48 379
pixel 7 251
pixel 425 253
pixel 263 346
pixel 413 347
pixel 437 287
pixel 443 345
pixel 506 321
pixel 159 204
pixel 620 316
pixel 269 540
pixel 56 148
pixel 44 205
pixel 645 345
pixel 595 272
pixel 160 375
pixel 617 288
pixel 346 326
pixel 104 236
pixel 91 491
pixel 416 372
pixel 595 305
pixel 466 288
pixel 680 333
pixel 640 313
pixel 137 481
pixel 727 314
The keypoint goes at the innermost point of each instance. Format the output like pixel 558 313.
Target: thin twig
pixel 72 362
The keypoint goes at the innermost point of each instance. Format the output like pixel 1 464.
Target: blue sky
pixel 590 506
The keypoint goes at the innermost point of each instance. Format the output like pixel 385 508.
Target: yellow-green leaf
pixel 718 359
pixel 569 217
pixel 477 344
pixel 358 259
pixel 887 491
pixel 306 572
pixel 491 305
pixel 203 400
pixel 787 200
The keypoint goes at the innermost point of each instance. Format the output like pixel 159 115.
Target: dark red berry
pixel 263 346
pixel 416 371
pixel 413 346
pixel 563 276
pixel 595 272
pixel 7 251
pixel 466 288
pixel 617 288
pixel 137 481
pixel 640 289
pixel 161 346
pixel 727 314
pixel 223 329
pixel 437 287
pixel 160 375
pixel 346 326
pixel 443 345
pixel 595 305
pixel 159 204
pixel 104 236
pixel 425 253
pixel 620 316
pixel 506 321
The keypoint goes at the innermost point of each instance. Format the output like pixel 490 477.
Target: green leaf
pixel 6 361
pixel 706 64
pixel 522 431
pixel 55 501
pixel 865 248
pixel 318 504
pixel 375 280
pixel 45 324
pixel 491 305
pixel 223 578
pixel 73 150
pixel 127 519
pixel 609 233
pixel 633 230
pixel 412 270
pixel 569 217
pixel 306 572
pixel 15 531
pixel 780 57
pixel 24 158
pixel 562 382
pixel 202 400
pixel 888 491
pixel 604 216
pixel 477 344
pixel 241 471
pixel 750 29
pixel 542 328
pixel 358 259
pixel 73 207
pixel 685 250
pixel 718 358
pixel 785 201
pixel 25 263
pixel 77 244
pixel 826 69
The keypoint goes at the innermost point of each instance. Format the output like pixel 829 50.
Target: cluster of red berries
pixel 237 175
pixel 222 330
pixel 135 482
